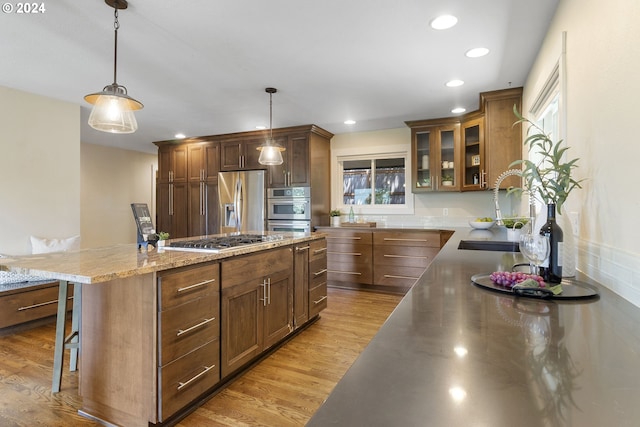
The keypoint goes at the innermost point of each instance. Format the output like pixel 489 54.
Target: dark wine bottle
pixel 551 270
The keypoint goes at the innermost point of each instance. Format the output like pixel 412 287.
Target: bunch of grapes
pixel 510 278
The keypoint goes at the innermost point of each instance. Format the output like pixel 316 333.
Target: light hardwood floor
pixel 285 389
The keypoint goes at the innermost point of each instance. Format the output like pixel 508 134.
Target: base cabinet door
pixel 242 325
pixel 257 304
pixel 301 285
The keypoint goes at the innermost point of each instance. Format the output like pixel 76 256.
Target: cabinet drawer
pixel 350 272
pixel 317 272
pixel 348 237
pixel 30 305
pixel 407 256
pixel 349 253
pixel 317 299
pixel 407 238
pixel 397 276
pixel 188 377
pixel 180 285
pixel 317 250
pixel 187 326
pixel 242 269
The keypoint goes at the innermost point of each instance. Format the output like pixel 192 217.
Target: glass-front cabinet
pixel 435 157
pixel 473 159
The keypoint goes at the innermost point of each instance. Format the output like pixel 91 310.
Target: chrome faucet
pixel 501 178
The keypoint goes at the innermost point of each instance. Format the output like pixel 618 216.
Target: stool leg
pixel 61 324
pixel 75 325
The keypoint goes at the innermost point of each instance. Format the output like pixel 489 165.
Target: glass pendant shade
pixel 113 110
pixel 270 153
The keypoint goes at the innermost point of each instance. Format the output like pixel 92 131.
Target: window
pixel 373 181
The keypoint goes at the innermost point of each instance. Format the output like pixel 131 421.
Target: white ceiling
pixel 200 66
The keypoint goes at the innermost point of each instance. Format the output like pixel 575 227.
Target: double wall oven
pixel 289 209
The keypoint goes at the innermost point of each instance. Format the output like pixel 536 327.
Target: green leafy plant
pixel 335 212
pixel 548 180
pixel 515 222
pixel 447 178
pixel 163 235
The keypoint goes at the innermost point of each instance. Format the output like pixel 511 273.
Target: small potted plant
pixel 335 217
pixel 162 236
pixel 447 180
pixel 514 226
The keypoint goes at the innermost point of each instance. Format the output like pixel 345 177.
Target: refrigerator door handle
pixel 238 204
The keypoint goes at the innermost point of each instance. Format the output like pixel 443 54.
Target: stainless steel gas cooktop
pixel 221 243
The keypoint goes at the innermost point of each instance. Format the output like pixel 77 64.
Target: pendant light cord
pixel 270 117
pixel 116 25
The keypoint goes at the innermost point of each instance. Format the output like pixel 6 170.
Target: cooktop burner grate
pixel 216 244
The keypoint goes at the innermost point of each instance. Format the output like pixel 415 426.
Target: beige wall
pixel 428 208
pixel 39 171
pixel 602 65
pixel 112 179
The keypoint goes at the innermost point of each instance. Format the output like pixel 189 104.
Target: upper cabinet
pixel 468 153
pixel 240 154
pixel 435 155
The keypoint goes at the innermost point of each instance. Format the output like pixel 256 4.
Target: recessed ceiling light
pixel 454 83
pixel 180 136
pixel 458 110
pixel 477 52
pixel 443 22
pixel 349 122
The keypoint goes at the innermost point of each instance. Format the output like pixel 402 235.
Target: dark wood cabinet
pixel 294 170
pixel 256 305
pixel 30 303
pixel 472 150
pixel 400 257
pixel 240 154
pixel 188 335
pixel 388 260
pixel 349 255
pixel 317 277
pixel 301 284
pixel 306 164
pixel 187 188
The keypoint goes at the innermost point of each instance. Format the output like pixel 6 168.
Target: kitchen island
pixel 455 354
pixel 163 329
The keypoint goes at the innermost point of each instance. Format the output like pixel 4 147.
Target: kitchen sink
pixel 489 245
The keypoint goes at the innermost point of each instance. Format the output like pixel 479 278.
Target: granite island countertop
pixel 125 260
pixel 454 354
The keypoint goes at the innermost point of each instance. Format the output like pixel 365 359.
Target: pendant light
pixel 270 151
pixel 113 108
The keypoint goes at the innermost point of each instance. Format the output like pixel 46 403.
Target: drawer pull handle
pixel 346 253
pixel 391 276
pixel 404 256
pixel 345 272
pixel 186 383
pixel 317 251
pixel 320 300
pixel 317 273
pixel 204 322
pixel 300 249
pixel 345 237
pixel 405 240
pixel 186 288
pixel 42 304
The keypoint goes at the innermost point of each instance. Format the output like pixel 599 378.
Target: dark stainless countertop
pixel 528 362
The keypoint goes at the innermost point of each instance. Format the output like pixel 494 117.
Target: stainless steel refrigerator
pixel 242 201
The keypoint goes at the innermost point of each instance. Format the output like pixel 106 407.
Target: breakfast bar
pixel 161 329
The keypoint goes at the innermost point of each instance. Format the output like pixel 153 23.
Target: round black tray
pixel 571 289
